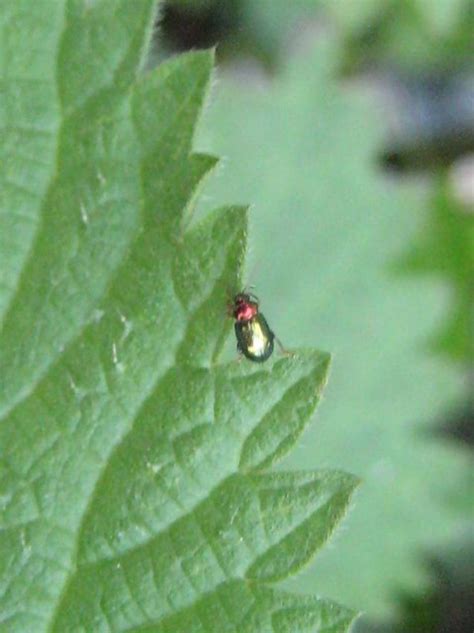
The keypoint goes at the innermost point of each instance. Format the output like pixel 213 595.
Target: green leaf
pixel 244 607
pixel 30 118
pixel 325 228
pixel 445 249
pixel 134 493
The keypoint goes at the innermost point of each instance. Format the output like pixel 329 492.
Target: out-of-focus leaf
pixel 326 226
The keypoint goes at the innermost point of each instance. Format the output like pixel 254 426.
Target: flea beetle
pixel 254 336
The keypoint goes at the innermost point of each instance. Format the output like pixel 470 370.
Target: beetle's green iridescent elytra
pixel 254 338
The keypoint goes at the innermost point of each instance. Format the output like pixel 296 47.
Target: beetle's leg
pixel 283 350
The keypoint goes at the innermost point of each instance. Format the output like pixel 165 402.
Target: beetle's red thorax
pixel 244 308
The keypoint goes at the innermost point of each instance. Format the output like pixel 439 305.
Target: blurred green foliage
pixel 417 34
pixel 444 248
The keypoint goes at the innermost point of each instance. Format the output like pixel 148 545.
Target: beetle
pixel 255 339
